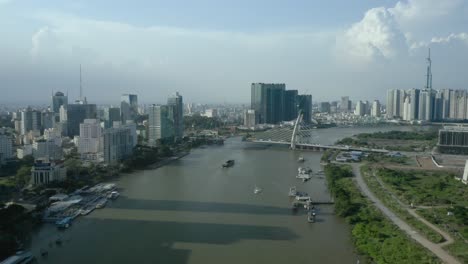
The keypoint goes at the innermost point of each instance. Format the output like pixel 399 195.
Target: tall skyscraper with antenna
pixel 429 72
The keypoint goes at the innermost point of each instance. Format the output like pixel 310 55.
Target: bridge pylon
pixel 295 130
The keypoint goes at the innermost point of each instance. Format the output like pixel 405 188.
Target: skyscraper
pixel 111 115
pixel 426 104
pixel 390 104
pixel 304 104
pixel 129 107
pixel 76 114
pixel 375 111
pixel 160 123
pixel 58 100
pixel 89 141
pixel 177 105
pixel 360 108
pixel 324 107
pixel 250 118
pixel 30 120
pixel 345 105
pixel 267 99
pixel 117 144
pixel 414 108
pixel 290 104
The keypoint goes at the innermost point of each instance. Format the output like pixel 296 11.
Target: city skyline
pixel 191 52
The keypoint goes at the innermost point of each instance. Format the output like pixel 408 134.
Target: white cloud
pixel 376 35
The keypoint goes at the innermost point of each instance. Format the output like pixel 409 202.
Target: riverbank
pixel 373 234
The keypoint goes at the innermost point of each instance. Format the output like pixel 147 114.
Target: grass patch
pixel 398 209
pixel 373 234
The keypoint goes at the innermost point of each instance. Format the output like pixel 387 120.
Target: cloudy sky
pixel 211 50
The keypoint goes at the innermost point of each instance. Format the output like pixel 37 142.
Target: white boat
pixel 301 159
pixel 303 173
pixel 113 195
pixel 292 191
pixel 257 190
pixel 101 203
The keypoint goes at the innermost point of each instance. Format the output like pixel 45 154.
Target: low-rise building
pixel 453 140
pixel 45 172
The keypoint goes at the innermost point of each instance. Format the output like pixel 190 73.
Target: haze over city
pixel 211 51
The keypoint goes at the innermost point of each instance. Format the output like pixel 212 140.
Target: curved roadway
pixel 434 248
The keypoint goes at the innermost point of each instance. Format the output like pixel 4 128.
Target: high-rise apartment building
pixel 118 144
pixel 291 102
pixel 30 120
pixel 304 104
pixel 345 105
pixel 360 109
pixel 6 148
pixel 250 118
pixel 176 103
pixel 268 101
pixel 129 107
pixel 325 107
pixel 375 111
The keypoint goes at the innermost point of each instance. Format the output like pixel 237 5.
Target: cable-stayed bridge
pixel 299 135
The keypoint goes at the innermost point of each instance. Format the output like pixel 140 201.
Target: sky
pixel 211 51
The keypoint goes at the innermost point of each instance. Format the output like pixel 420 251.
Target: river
pixel 193 211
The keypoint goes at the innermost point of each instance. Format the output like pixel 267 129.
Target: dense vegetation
pixel 401 135
pixel 425 188
pixel 373 234
pixel 389 200
pixel 199 122
pixel 15 226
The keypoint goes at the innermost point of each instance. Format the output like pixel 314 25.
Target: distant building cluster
pixel 271 103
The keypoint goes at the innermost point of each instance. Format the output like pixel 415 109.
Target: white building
pixel 360 109
pixel 54 135
pixel 46 149
pixel 465 174
pixel 24 151
pixel 90 139
pixel 250 118
pixel 211 113
pixel 44 172
pixel 375 111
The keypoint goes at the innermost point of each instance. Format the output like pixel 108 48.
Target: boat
pixel 23 257
pixel 303 173
pixel 64 223
pixel 101 203
pixel 228 164
pixel 311 217
pixel 113 195
pixel 301 159
pixel 292 191
pixel 257 190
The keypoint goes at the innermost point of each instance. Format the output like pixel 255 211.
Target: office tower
pixel 160 124
pixel 250 118
pixel 375 111
pixel 177 105
pixel 30 120
pixel 290 104
pixel 6 148
pixel 129 107
pixel 76 114
pixel 118 144
pixel 111 115
pixel 48 119
pixel 46 149
pixel 132 127
pixel 345 105
pixel 324 107
pixel 45 172
pixel 53 135
pixel 360 108
pixel 58 100
pixel 304 104
pixel 89 143
pixel 267 99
